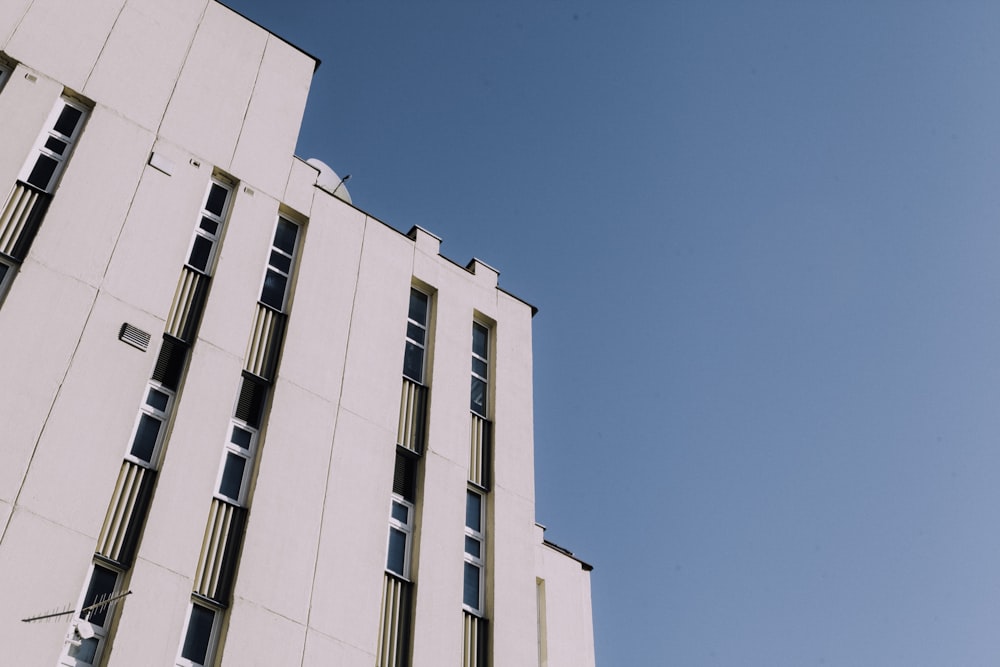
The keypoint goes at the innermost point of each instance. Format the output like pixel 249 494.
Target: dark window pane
pixel 68 120
pixel 284 236
pixel 102 586
pixel 418 307
pixel 57 146
pixel 216 200
pixel 241 437
pixel 397 552
pixel 200 251
pixel 232 476
pixel 145 437
pixel 479 367
pixel 3 272
pixel 480 340
pixel 281 262
pixel 42 172
pixel 273 294
pixel 209 225
pixel 415 333
pixel 157 399
pixel 413 362
pixel 478 403
pixel 473 547
pixel 87 650
pixel 199 633
pixel 401 513
pixel 470 595
pixel 473 511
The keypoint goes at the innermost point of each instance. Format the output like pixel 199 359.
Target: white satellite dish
pixel 329 180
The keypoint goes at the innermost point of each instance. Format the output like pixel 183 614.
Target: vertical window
pixel 4 74
pixel 84 644
pixel 279 265
pixel 480 368
pixel 401 515
pixel 199 637
pixel 6 275
pixel 472 595
pixel 151 424
pixel 241 443
pixel 205 241
pixel 416 336
pixel 55 144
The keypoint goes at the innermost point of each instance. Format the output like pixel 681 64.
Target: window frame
pixel 49 132
pixel 219 219
pixel 248 455
pixel 421 346
pixel 484 379
pixel 100 632
pixel 213 639
pixel 10 268
pixel 6 71
pixel 291 263
pixel 479 562
pixel 406 529
pixel 163 416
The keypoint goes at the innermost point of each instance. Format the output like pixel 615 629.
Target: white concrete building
pixel 237 425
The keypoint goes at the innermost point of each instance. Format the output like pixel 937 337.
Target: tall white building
pixel 243 422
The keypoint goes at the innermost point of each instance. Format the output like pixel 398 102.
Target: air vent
pixel 134 336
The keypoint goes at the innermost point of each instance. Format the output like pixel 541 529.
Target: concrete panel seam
pixel 333 440
pixel 107 39
pixel 180 71
pixel 246 110
pixel 18 25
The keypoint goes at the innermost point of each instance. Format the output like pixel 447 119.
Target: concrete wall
pixel 565 606
pixel 208 92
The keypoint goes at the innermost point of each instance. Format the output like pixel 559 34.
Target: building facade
pixel 243 421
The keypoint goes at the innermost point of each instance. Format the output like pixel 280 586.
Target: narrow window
pixel 4 74
pixel 472 595
pixel 480 368
pixel 151 424
pixel 205 241
pixel 55 144
pixel 88 631
pixel 274 293
pixel 416 336
pixel 237 462
pixel 6 275
pixel 401 516
pixel 199 637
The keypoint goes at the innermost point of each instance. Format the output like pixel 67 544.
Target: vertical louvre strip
pixel 185 311
pixel 412 416
pixel 213 549
pixel 18 219
pixel 480 451
pixel 393 632
pixel 126 513
pixel 474 641
pixel 265 339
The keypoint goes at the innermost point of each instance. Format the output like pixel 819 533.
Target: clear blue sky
pixel 765 241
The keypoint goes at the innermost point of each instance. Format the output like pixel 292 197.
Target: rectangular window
pixel 201 256
pixel 89 629
pixel 151 425
pixel 416 336
pixel 4 74
pixel 7 270
pixel 400 537
pixel 475 553
pixel 237 462
pixel 480 368
pixel 274 293
pixel 54 146
pixel 199 637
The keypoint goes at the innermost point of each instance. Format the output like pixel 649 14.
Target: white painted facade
pixel 178 93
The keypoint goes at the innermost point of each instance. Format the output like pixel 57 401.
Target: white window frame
pixel 423 327
pixel 291 262
pixel 220 220
pixel 486 360
pixel 163 416
pixel 50 133
pixel 82 629
pixel 213 640
pixel 406 529
pixel 477 561
pixel 248 455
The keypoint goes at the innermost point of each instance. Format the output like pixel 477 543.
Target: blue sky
pixel 764 238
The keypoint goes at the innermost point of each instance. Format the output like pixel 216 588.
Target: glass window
pixel 205 240
pixel 232 476
pixel 473 511
pixel 274 292
pixel 102 587
pixel 416 336
pixel 480 369
pixel 199 634
pixel 470 596
pixel 54 145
